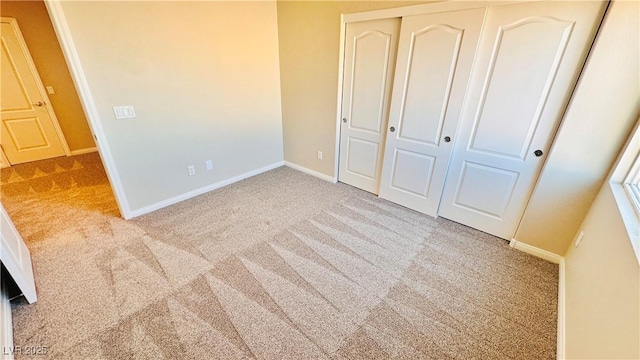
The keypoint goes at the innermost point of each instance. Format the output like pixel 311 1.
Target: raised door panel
pixel 362 157
pixel 370 52
pixel 519 80
pixel 434 61
pixel 528 61
pixel 485 189
pixel 412 172
pixel 14 92
pixel 28 132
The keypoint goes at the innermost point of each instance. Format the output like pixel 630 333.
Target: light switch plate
pixel 50 90
pixel 124 112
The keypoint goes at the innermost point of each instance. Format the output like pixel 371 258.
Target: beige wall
pixel 602 288
pixel 42 42
pixel 600 116
pixel 203 78
pixel 309 35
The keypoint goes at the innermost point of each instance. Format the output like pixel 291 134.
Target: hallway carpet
pixel 278 266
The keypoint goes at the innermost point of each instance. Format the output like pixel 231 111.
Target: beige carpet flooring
pixel 279 266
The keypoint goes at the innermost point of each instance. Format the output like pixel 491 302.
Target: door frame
pixel 61 28
pixel 43 93
pixel 435 7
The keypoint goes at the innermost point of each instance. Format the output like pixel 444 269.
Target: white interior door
pixel 16 257
pixel 29 131
pixel 370 52
pixel 528 61
pixel 435 55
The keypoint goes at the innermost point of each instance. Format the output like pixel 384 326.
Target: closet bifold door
pixel 528 61
pixel 435 56
pixel 369 61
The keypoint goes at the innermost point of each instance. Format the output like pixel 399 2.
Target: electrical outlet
pixel 191 169
pixel 319 155
pixel 579 238
pixel 209 165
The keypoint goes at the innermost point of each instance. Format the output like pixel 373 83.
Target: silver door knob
pixel 447 139
pixel 344 120
pixel 392 129
pixel 39 103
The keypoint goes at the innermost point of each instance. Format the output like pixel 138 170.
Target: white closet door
pixel 435 56
pixel 528 61
pixel 370 53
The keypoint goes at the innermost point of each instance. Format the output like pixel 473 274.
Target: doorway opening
pixel 50 163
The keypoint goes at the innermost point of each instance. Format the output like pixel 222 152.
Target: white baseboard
pixel 532 250
pixel 202 190
pixel 561 311
pixel 311 172
pixel 83 151
pixel 6 326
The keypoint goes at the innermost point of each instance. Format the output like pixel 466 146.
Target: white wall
pixel 204 80
pixel 602 112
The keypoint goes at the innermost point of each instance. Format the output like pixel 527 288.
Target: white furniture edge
pixel 205 189
pixel 311 172
pixel 61 28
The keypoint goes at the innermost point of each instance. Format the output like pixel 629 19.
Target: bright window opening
pixel 625 184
